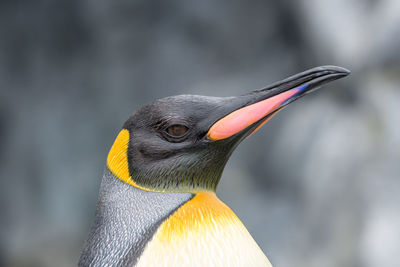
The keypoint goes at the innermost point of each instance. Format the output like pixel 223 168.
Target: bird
pixel 157 203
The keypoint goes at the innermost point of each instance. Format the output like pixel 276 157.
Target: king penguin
pixel 157 204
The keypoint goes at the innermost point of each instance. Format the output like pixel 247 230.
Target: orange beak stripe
pixel 240 119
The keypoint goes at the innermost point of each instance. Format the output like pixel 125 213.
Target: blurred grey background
pixel 317 186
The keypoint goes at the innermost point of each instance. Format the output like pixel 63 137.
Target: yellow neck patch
pixel 117 159
pixel 205 210
pixel 203 232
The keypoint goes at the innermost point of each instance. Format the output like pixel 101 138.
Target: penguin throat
pixel 182 177
pixel 178 179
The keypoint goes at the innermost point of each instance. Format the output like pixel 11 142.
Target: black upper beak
pixel 309 80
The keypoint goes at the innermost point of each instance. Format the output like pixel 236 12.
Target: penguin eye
pixel 177 130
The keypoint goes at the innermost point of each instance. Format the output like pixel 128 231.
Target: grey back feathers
pixel 126 219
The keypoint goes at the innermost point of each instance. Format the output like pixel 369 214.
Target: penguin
pixel 157 204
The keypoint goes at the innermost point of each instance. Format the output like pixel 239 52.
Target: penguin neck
pixel 134 226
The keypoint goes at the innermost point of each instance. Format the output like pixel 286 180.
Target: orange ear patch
pixel 117 160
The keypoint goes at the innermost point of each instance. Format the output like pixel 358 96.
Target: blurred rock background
pixel 317 186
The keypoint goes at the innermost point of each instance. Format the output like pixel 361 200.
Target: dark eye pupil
pixel 177 130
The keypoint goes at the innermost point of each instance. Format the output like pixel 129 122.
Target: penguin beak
pixel 243 115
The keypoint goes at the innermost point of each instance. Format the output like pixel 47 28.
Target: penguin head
pixel 182 143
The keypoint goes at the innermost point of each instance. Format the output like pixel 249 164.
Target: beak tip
pixel 335 70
